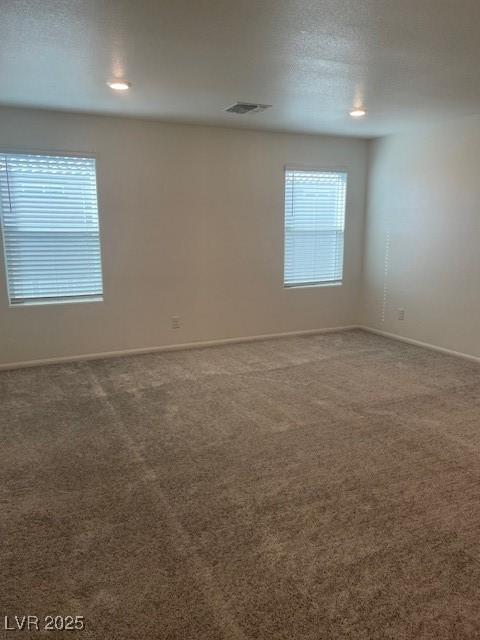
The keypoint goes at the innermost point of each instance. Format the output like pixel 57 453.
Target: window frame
pixel 5 151
pixel 324 168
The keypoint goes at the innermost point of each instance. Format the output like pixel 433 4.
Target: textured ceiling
pixel 406 61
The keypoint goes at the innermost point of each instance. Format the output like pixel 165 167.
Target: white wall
pixel 192 224
pixel 424 202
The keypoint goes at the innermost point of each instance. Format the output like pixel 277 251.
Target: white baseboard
pixel 419 343
pixel 213 343
pixel 169 347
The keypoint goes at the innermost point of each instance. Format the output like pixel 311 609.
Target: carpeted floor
pixel 308 488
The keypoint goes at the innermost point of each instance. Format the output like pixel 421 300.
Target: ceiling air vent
pixel 247 107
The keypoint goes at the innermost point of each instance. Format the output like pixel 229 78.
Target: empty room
pixel 240 319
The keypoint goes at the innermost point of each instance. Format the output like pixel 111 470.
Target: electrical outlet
pixel 175 322
pixel 401 314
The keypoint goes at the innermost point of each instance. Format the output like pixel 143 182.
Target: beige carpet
pixel 308 488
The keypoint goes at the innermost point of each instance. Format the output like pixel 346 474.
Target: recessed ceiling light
pixel 119 85
pixel 358 113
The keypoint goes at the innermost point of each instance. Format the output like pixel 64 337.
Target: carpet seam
pixel 201 572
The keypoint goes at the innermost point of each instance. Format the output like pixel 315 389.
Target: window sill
pixel 49 303
pixel 313 285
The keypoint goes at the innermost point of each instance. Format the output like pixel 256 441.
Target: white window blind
pixel 314 227
pixel 50 228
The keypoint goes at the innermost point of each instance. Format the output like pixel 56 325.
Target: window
pixel 314 227
pixel 49 216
